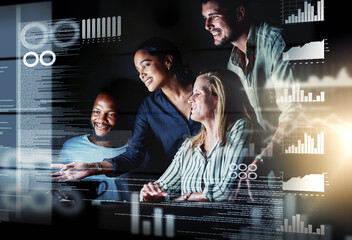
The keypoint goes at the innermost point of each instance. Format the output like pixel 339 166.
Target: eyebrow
pixel 198 90
pixel 112 110
pixel 216 11
pixel 145 60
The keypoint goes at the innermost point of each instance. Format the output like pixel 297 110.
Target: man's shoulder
pixel 266 32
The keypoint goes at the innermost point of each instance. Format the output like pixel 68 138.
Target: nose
pixel 208 24
pixel 190 99
pixel 102 118
pixel 141 75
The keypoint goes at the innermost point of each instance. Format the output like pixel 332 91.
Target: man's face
pixel 104 115
pixel 218 23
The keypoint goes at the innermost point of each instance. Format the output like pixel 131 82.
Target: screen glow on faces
pixel 104 115
pixel 217 22
pixel 203 102
pixel 152 72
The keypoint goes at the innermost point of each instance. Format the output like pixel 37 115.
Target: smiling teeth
pixel 147 81
pixel 101 127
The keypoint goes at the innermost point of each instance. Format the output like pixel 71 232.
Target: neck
pixel 174 90
pixel 241 41
pixel 211 129
pixel 178 94
pixel 103 143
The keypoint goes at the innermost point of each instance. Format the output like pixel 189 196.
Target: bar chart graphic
pixel 300 11
pixel 308 51
pixel 103 29
pixel 308 183
pixel 151 227
pixel 298 226
pixel 304 141
pixel 299 95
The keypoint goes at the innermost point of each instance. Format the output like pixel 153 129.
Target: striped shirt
pixel 267 75
pixel 192 171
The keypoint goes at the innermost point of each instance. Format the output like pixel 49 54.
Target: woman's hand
pixel 72 171
pixel 152 192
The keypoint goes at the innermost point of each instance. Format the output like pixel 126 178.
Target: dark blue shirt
pixel 158 133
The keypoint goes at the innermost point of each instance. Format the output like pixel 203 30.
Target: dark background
pixel 101 64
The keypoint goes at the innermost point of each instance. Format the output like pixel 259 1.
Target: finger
pixel 56 165
pixel 144 188
pixel 157 187
pixel 146 191
pixel 71 165
pixel 59 179
pixel 143 193
pixel 152 188
pixel 57 174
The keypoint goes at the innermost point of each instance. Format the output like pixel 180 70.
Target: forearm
pixel 125 162
pixel 102 167
pixel 199 197
pixel 196 197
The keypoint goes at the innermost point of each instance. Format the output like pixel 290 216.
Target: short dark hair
pixel 228 4
pixel 232 5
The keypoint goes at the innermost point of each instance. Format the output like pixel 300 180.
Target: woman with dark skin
pixel 163 120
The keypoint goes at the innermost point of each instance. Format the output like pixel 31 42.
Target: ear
pixel 240 13
pixel 169 59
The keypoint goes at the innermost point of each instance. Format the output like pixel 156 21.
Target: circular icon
pixel 64 30
pixel 242 167
pixel 252 167
pixel 37 39
pixel 39 202
pixel 30 64
pixel 252 175
pixel 233 166
pixel 49 63
pixel 233 175
pixel 242 175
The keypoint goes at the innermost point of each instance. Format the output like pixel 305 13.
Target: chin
pixel 194 118
pixel 100 137
pixel 151 89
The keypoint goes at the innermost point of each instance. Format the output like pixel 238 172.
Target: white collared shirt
pixel 192 171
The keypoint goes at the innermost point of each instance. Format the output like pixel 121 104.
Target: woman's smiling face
pixel 152 72
pixel 203 101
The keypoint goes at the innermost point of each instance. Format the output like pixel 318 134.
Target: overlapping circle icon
pixel 38 35
pixel 240 171
pixel 39 58
pixel 35 35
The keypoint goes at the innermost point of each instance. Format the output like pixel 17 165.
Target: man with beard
pixel 102 143
pixel 256 58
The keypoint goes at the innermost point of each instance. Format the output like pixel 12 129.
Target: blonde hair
pixel 230 107
pixel 217 89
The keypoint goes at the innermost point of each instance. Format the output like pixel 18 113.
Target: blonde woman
pixel 202 169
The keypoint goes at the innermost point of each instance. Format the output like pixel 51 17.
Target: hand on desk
pixel 152 192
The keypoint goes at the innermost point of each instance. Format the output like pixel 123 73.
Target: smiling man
pixel 103 120
pixel 102 143
pixel 256 58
